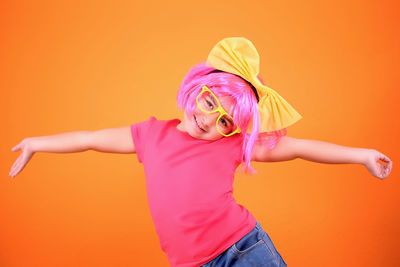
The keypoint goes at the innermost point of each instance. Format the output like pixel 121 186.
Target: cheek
pixel 197 111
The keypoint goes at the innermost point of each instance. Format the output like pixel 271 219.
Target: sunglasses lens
pixel 226 125
pixel 207 102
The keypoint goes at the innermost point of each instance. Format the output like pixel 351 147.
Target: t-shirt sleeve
pixel 140 136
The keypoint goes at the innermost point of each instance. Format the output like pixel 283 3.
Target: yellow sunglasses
pixel 209 103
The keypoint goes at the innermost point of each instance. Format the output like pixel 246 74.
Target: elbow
pixel 86 140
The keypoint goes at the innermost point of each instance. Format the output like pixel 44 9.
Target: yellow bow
pixel 238 55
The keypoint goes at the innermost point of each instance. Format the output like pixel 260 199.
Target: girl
pixel 230 118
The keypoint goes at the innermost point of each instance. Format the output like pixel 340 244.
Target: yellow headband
pixel 238 55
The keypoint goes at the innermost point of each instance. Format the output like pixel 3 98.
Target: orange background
pixel 94 65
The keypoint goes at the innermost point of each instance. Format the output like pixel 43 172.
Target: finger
pixel 389 166
pixel 16 148
pixel 384 158
pixel 16 163
pixel 384 174
pixel 17 169
pixel 382 171
pixel 14 171
pixel 24 161
pixel 14 166
pixel 387 169
pixel 18 160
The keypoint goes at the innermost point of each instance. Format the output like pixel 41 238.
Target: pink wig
pixel 244 109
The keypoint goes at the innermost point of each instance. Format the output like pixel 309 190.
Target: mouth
pixel 197 124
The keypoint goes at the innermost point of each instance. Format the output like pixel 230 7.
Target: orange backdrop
pixel 92 65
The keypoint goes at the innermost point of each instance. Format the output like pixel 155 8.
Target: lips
pixel 197 124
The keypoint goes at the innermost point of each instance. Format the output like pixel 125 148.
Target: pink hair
pixel 244 110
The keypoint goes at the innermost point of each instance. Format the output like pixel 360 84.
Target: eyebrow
pixel 212 99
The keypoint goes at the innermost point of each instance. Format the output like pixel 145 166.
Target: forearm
pixel 324 152
pixel 60 143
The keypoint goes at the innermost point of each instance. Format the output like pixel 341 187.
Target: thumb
pixel 16 148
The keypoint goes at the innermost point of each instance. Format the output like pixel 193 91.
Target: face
pixel 202 125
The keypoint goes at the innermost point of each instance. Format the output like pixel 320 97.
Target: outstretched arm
pixel 324 152
pixel 289 148
pixel 113 140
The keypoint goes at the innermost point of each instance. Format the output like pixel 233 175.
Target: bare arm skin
pixel 113 140
pixel 285 149
pixel 289 148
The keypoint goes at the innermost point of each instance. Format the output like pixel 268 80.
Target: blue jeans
pixel 254 249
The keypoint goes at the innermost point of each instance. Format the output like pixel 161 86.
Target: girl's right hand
pixel 24 157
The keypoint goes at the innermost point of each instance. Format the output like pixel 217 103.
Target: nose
pixel 210 119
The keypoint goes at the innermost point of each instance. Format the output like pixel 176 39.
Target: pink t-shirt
pixel 189 188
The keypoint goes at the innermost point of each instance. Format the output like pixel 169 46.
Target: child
pixel 230 118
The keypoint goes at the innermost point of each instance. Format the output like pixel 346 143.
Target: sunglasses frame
pixel 219 109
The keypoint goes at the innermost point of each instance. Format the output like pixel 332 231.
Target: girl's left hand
pixel 373 165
